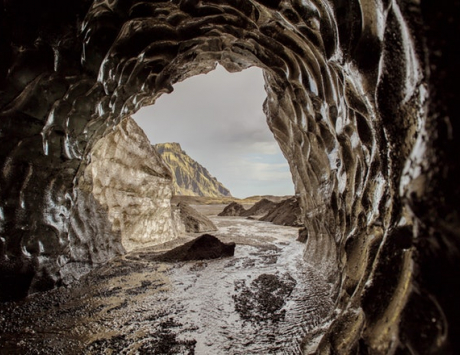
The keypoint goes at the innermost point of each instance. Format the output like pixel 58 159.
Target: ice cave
pixel 361 98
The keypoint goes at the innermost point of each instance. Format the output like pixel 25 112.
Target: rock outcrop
pixel 285 213
pixel 202 248
pixel 303 235
pixel 190 178
pixel 129 180
pixel 260 208
pixel 191 221
pixel 232 209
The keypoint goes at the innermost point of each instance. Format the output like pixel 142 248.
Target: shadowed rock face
pixel 259 208
pixel 285 213
pixel 370 134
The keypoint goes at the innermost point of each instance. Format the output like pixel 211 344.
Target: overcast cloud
pixel 217 118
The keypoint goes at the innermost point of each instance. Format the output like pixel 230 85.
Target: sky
pixel 218 120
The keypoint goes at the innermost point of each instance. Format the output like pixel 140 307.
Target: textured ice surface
pixel 364 120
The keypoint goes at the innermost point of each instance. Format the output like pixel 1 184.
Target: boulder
pixel 233 209
pixel 303 235
pixel 204 247
pixel 193 221
pixel 285 213
pixel 262 207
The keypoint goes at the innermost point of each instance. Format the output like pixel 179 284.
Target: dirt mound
pixel 233 209
pixel 285 213
pixel 194 221
pixel 204 247
pixel 262 207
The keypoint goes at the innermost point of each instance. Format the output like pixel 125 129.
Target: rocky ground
pixel 262 300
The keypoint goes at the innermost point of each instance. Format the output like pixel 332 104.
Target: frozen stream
pixel 264 300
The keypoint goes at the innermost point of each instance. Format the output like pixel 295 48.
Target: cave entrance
pixel 261 293
pixel 218 120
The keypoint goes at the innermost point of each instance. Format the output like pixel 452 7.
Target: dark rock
pixel 303 235
pixel 262 207
pixel 194 221
pixel 285 213
pixel 264 299
pixel 204 247
pixel 233 209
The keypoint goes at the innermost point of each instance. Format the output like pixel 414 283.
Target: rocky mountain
pixel 190 178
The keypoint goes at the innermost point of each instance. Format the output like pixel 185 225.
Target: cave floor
pixel 264 300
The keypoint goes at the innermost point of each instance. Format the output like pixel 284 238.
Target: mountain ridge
pixel 190 177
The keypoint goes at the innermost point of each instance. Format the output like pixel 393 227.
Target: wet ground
pixel 264 300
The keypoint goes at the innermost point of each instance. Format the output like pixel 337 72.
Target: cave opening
pixel 218 121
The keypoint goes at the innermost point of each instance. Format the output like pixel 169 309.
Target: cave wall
pixel 358 98
pixel 128 178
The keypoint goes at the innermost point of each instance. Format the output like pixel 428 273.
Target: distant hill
pixel 225 200
pixel 190 178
